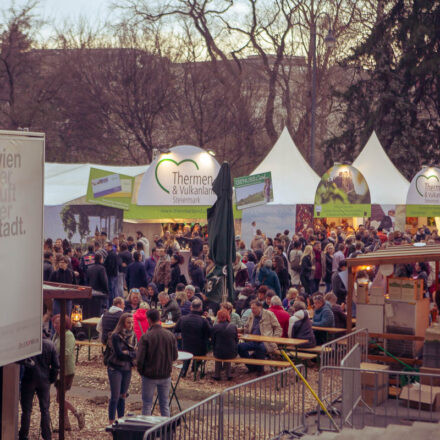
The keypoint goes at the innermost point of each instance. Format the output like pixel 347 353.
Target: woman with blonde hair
pixel 134 298
pixel 307 269
pixel 327 266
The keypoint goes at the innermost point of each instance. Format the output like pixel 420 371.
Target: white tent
pixel 386 183
pixel 66 182
pixel 294 181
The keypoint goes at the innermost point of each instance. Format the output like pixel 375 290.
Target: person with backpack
pixel 294 257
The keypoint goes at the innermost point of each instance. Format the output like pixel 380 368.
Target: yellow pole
pixel 310 388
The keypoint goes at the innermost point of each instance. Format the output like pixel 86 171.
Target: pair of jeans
pixel 259 350
pixel 120 284
pixel 119 383
pixel 27 391
pixel 218 369
pixel 163 391
pixel 113 289
pixel 328 286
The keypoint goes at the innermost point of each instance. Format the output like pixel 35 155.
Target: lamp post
pixel 330 42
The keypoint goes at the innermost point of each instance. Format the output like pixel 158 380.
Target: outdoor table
pixel 182 356
pixel 329 330
pixel 90 323
pixel 168 325
pixel 282 343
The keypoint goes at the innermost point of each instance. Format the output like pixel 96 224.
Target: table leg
pixel 90 339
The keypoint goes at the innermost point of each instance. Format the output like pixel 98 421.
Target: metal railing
pixel 261 408
pixel 332 354
pixel 379 397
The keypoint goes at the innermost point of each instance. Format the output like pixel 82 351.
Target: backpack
pixel 296 263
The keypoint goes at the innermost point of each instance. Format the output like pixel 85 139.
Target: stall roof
pixel 64 182
pixel 294 181
pixel 401 254
pixel 386 183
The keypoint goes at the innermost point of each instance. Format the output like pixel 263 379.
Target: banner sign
pixel 21 238
pixel 109 189
pixel 342 192
pixel 181 177
pixel 423 198
pixel 253 190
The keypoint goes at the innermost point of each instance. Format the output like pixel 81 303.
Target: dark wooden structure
pixel 64 292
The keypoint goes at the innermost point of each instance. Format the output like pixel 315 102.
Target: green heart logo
pixel 174 162
pixel 425 177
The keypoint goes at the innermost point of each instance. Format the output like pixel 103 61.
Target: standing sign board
pixel 342 192
pixel 423 198
pixel 21 244
pixel 109 189
pixel 253 190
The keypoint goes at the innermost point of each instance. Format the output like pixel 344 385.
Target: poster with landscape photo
pixel 253 190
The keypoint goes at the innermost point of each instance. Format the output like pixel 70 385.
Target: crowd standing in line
pixel 283 286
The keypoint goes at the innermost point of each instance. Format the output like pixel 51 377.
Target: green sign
pixel 423 210
pixel 342 192
pixel 253 190
pixel 109 189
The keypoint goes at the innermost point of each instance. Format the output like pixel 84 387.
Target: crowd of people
pixel 285 286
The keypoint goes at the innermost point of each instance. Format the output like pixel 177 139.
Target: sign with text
pixel 181 177
pixel 342 192
pixel 109 189
pixel 423 199
pixel 253 190
pixel 21 238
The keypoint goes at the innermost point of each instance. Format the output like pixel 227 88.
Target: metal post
pixel 62 367
pixel 313 106
pixel 349 301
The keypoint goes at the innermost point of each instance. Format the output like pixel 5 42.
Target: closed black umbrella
pixel 221 237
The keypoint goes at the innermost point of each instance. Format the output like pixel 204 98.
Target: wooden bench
pixel 89 344
pixel 390 360
pixel 249 361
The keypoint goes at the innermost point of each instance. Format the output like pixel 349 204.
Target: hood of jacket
pixel 114 309
pixel 140 315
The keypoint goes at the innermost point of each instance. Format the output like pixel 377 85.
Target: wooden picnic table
pixel 168 326
pixel 278 340
pixel 91 321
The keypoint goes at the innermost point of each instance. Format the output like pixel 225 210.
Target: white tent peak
pixel 294 181
pixel 387 185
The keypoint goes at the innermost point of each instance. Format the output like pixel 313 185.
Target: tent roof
pixel 64 182
pixel 294 181
pixel 386 183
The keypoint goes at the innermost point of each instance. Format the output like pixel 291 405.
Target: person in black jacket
pixel 39 372
pixel 224 338
pixel 47 265
pixel 97 276
pixel 327 266
pixel 110 318
pixel 175 273
pixel 306 273
pixel 196 272
pixel 111 265
pixel 136 273
pixel 63 275
pixel 196 330
pixel 122 344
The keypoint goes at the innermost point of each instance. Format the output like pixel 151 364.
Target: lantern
pixel 76 316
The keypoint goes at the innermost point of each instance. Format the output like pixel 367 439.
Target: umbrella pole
pixel 224 289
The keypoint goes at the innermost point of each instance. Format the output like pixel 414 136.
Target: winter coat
pixel 328 268
pixel 323 317
pixel 111 264
pixel 284 278
pixel 136 275
pixel 269 326
pixel 140 322
pixel 268 277
pixel 197 277
pixel 224 340
pixel 300 327
pixel 283 318
pixel 97 278
pixel 338 287
pixel 196 331
pixel 108 322
pixel 63 276
pixel 156 353
pixel 47 270
pixel 162 272
pixel 127 258
pixel 257 243
pixel 185 307
pixel 150 264
pixel 175 277
pixel 340 316
pixel 173 308
pixel 120 342
pixel 318 265
pixel 306 267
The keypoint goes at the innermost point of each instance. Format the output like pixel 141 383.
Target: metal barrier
pixel 397 397
pixel 258 409
pixel 332 354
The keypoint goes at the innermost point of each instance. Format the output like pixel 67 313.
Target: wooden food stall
pixel 395 309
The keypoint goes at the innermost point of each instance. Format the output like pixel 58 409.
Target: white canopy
pixel 386 183
pixel 64 182
pixel 294 181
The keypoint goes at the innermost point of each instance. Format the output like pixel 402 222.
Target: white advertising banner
pixel 21 237
pixel 423 198
pixel 181 177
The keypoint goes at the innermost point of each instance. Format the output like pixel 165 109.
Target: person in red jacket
pixel 140 322
pixel 276 307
